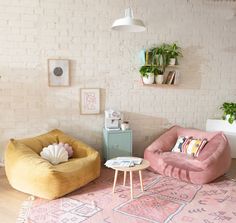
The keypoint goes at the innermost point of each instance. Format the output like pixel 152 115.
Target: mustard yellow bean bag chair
pixel 28 172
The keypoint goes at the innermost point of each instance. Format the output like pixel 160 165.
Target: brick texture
pixel 34 30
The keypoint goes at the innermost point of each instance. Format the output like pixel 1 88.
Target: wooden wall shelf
pixel 154 65
pixel 161 85
pixel 166 83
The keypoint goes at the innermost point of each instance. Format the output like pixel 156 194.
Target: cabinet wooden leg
pixel 124 178
pixel 141 179
pixel 115 179
pixel 131 184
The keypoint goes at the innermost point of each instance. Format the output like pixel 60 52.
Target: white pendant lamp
pixel 128 23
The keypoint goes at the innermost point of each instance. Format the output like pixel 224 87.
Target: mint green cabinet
pixel 117 143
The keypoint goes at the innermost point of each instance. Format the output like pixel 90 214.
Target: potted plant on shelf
pixel 160 60
pixel 160 56
pixel 173 52
pixel 229 110
pixel 147 73
pixel 159 75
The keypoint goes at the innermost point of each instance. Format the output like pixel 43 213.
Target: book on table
pixel 124 162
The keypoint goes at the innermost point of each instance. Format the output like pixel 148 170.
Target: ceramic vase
pixel 159 78
pixel 149 79
pixel 172 61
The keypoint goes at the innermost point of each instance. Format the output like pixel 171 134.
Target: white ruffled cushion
pixel 55 154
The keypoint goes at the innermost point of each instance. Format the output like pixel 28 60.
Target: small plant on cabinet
pixel 229 110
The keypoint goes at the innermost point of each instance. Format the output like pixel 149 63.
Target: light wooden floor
pixel 11 200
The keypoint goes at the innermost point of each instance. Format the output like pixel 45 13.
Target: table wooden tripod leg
pixel 141 179
pixel 115 179
pixel 124 178
pixel 131 184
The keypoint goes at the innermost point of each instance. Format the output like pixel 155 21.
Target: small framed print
pixel 89 101
pixel 58 73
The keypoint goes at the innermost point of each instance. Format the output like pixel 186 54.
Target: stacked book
pixel 123 162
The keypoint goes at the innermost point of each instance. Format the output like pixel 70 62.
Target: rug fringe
pixel 24 211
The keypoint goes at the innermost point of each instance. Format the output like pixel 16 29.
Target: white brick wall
pixel 34 30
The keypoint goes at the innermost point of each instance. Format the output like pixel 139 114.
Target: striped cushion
pixel 189 145
pixel 179 144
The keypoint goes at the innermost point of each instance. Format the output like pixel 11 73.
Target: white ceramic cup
pixel 124 126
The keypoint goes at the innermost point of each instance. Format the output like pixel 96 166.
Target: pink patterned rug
pixel 164 200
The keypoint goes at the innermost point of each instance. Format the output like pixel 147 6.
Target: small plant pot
pixel 149 79
pixel 227 118
pixel 172 61
pixel 124 126
pixel 159 78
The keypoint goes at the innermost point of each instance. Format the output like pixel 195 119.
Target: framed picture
pixel 58 73
pixel 89 101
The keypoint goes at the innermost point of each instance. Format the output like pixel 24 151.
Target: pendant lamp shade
pixel 128 23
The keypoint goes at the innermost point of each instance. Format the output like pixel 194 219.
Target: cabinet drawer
pixel 119 144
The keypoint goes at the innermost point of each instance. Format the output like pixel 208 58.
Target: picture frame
pixel 89 101
pixel 58 73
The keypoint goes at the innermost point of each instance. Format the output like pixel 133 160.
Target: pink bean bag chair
pixel 212 162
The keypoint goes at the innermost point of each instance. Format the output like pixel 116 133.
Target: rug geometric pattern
pixel 152 208
pixel 165 200
pixel 65 210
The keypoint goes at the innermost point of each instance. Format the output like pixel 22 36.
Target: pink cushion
pixel 213 161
